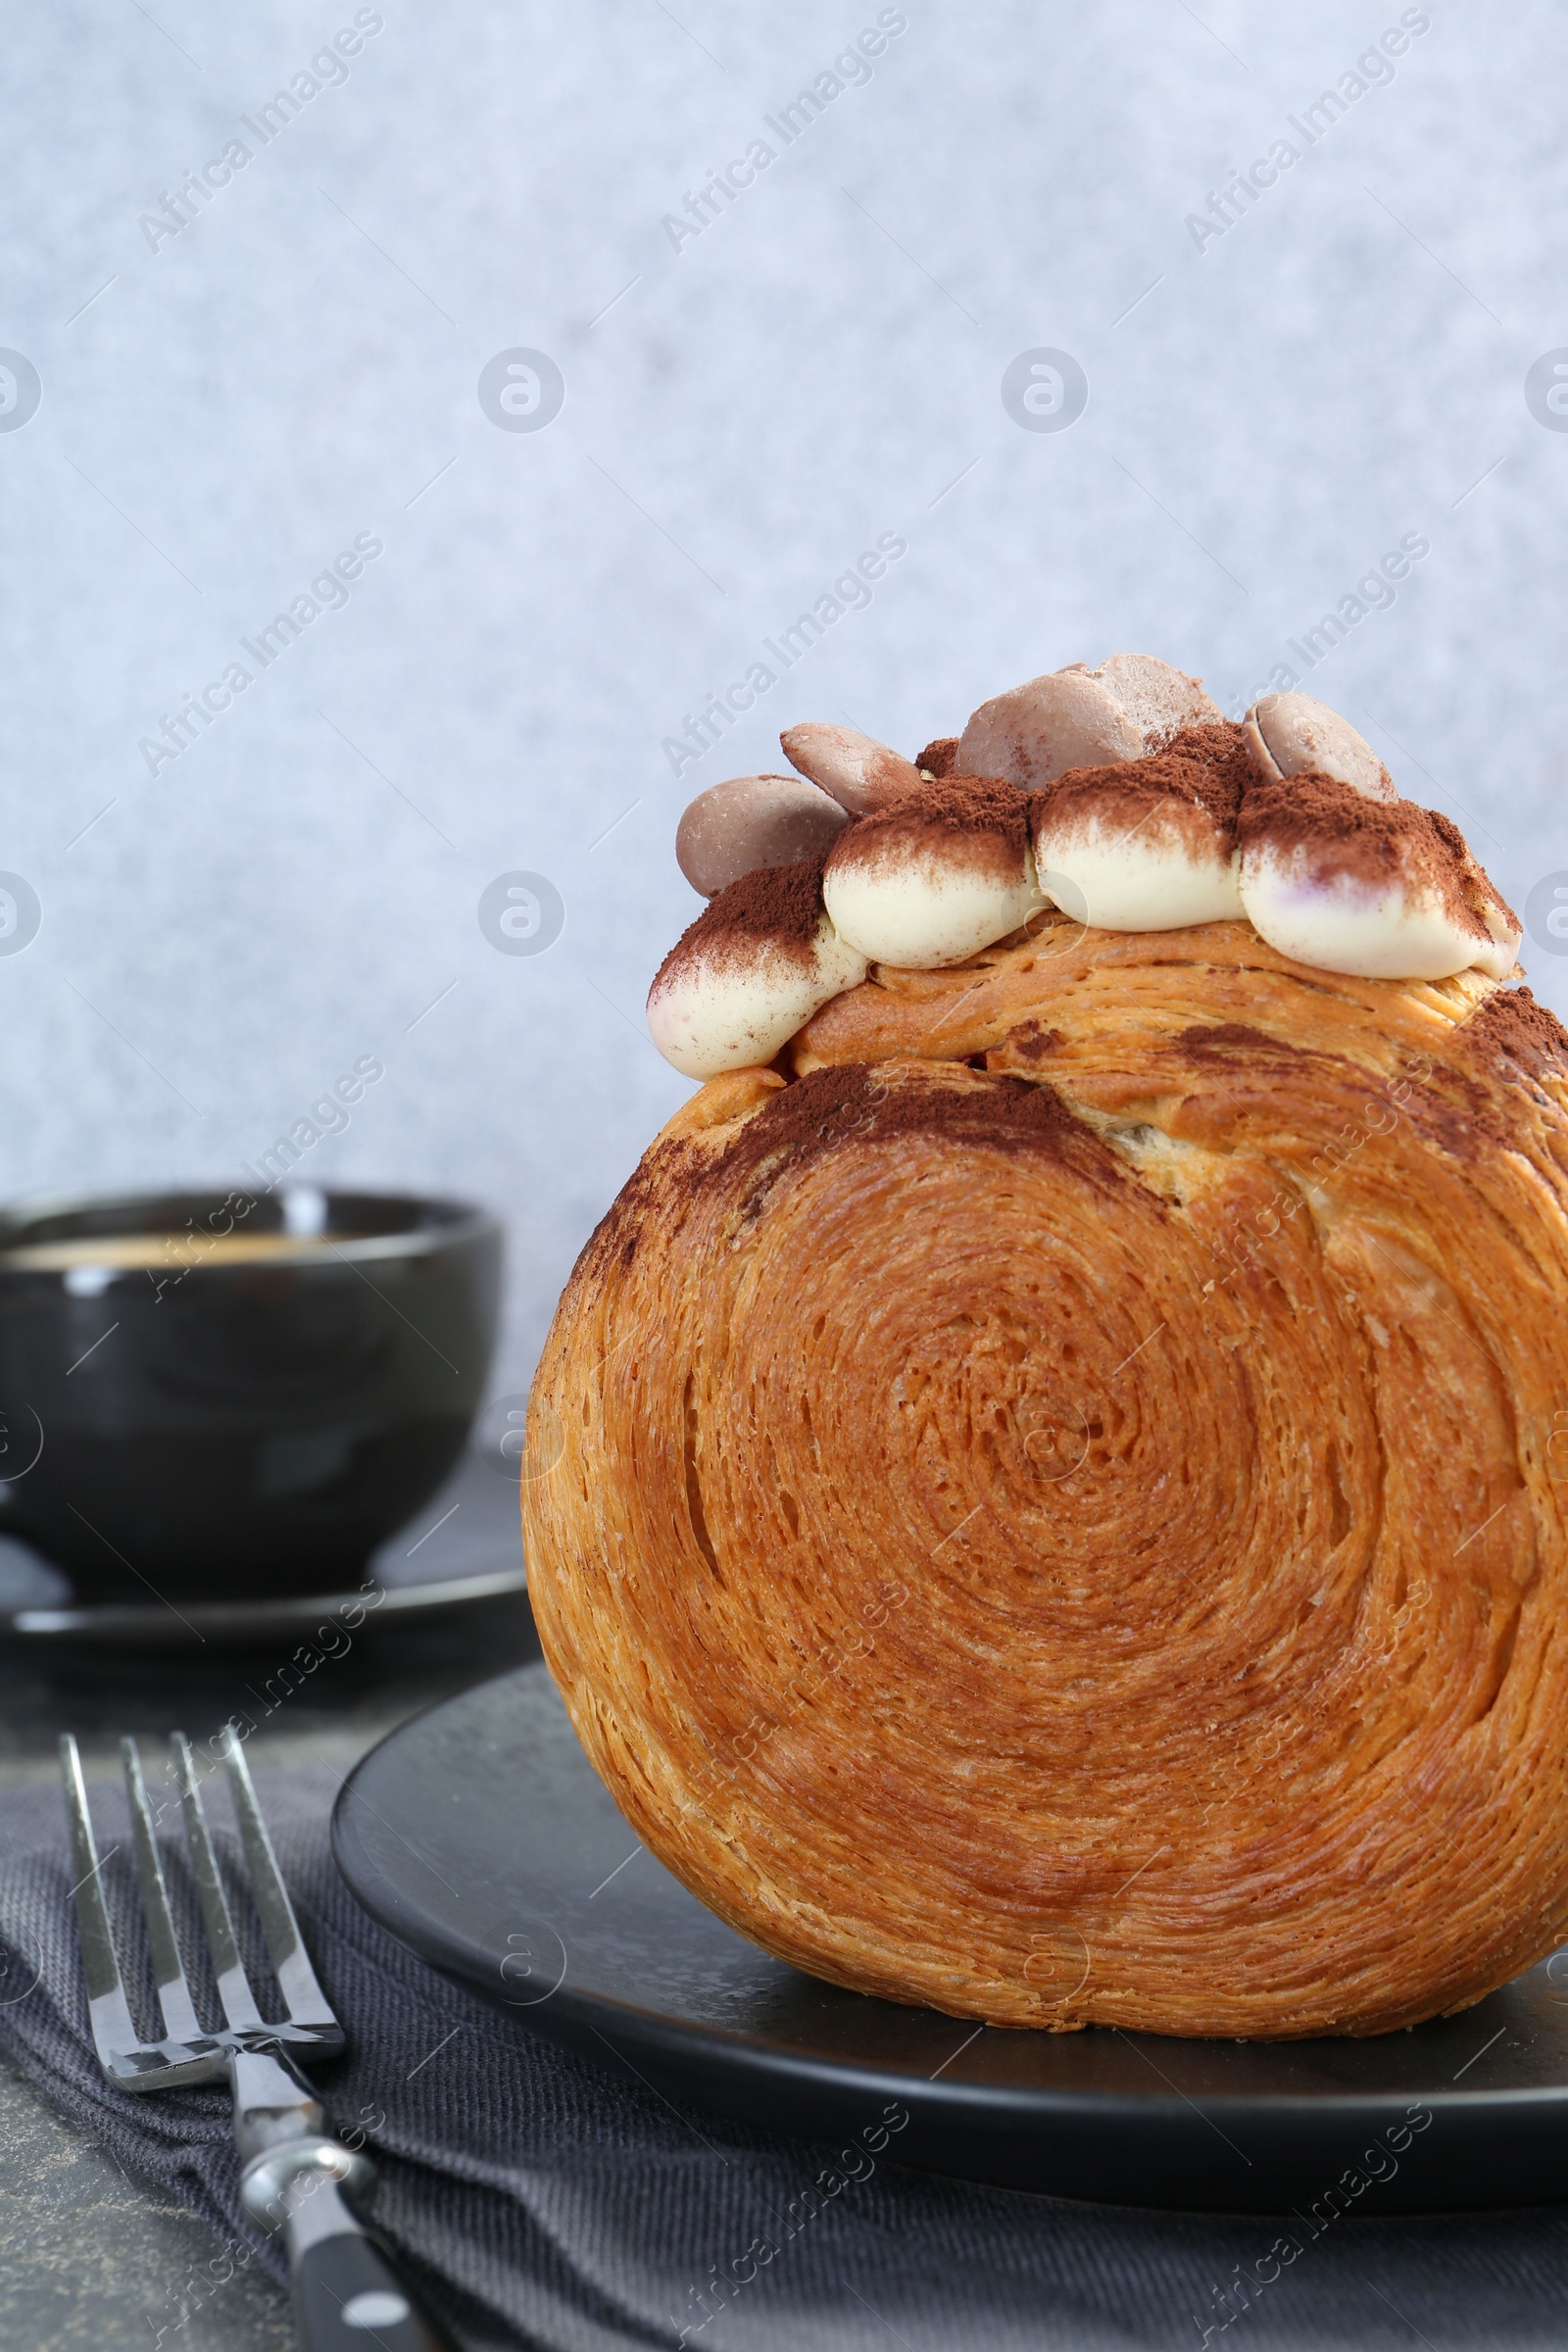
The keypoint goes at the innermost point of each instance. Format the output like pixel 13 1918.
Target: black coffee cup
pixel 240 1397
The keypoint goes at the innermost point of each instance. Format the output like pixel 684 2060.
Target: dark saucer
pixel 463 1549
pixel 479 1835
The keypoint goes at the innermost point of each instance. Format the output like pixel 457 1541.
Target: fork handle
pixel 347 2296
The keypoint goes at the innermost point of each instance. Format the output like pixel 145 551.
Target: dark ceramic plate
pixel 480 1835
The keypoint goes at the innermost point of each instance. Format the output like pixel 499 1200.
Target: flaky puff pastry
pixel 1051 1510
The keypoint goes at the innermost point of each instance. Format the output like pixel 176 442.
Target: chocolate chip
pixel 857 770
pixel 748 822
pixel 1036 732
pixel 1158 698
pixel 1292 735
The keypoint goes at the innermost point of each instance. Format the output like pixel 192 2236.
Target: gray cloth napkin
pixel 540 2202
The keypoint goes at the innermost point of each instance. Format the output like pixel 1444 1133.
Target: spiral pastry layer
pixel 1044 1502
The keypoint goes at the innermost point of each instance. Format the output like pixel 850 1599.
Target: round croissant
pixel 1050 1510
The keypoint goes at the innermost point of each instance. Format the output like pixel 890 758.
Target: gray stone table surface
pixel 89 2256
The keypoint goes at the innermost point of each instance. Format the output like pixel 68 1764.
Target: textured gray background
pixel 822 364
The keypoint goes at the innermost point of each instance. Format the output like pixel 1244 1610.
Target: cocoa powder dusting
pixel 1031 1042
pixel 1200 773
pixel 938 757
pixel 1378 844
pixel 776 905
pixel 1511 1026
pixel 1213 763
pixel 1257 1054
pixel 1203 1040
pixel 981 819
pixel 851 1102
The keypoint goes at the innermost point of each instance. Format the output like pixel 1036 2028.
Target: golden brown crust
pixel 733 1095
pixel 1076 1538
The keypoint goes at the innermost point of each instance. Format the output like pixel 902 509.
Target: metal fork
pixel 347 2294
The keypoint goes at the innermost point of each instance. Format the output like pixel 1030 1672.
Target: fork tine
pixel 180 2021
pixel 114 2029
pixel 306 2003
pixel 233 1986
